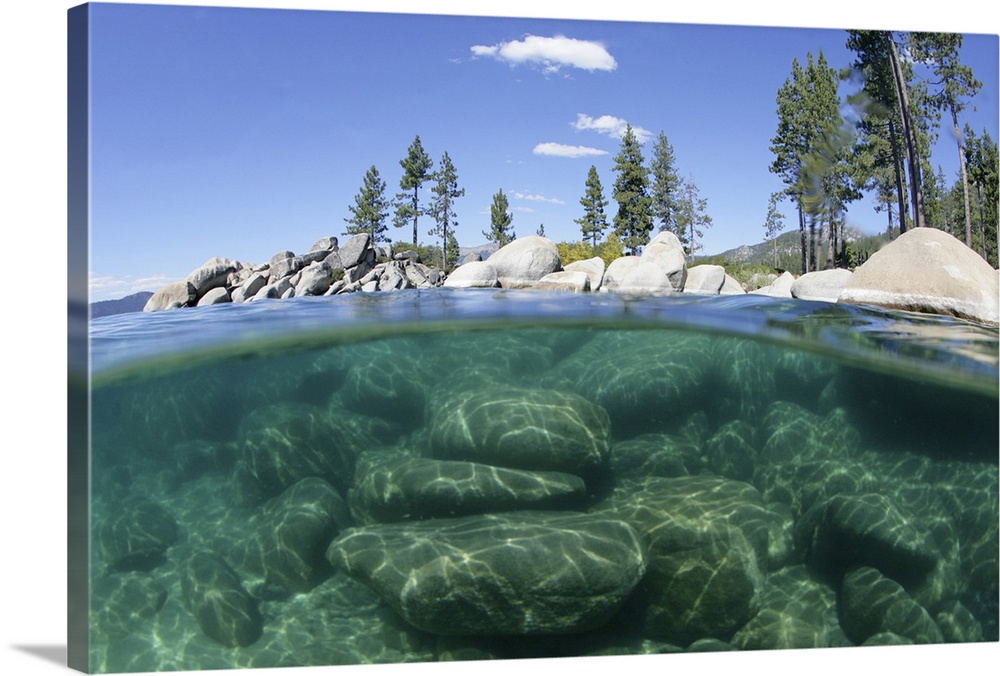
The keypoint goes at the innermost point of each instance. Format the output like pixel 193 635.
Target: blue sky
pixel 240 132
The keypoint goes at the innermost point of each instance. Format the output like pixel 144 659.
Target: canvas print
pixel 411 338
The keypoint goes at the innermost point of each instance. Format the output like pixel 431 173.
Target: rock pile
pixel 326 269
pixel 924 270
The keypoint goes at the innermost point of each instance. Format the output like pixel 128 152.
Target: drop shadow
pixel 51 653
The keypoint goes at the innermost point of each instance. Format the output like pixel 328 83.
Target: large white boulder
pixel 705 279
pixel 927 270
pixel 475 274
pixel 662 257
pixel 825 285
pixel 524 261
pixel 593 267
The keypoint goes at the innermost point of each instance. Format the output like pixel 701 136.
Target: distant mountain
pixel 485 250
pixel 133 303
pixel 789 248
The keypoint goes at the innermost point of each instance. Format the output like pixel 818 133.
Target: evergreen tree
pixel 370 208
pixel 804 143
pixel 956 83
pixel 666 184
pixel 541 230
pixel 442 207
pixel 416 169
pixel 692 218
pixel 451 252
pixel 634 219
pixel 774 222
pixel 594 222
pixel 983 175
pixel 500 230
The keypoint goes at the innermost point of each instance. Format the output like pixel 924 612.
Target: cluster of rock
pixel 325 270
pixel 535 493
pixel 923 270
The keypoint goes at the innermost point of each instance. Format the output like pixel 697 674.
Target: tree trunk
pixel 416 204
pixel 802 235
pixel 812 243
pixel 909 135
pixel 897 166
pixel 965 182
pixel 831 250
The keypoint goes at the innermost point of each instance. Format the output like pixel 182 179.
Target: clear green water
pixel 439 476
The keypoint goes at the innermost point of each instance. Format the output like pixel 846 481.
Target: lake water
pixel 450 475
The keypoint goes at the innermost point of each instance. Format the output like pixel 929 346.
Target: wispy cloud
pixel 107 288
pixel 562 150
pixel 524 210
pixel 609 125
pixel 537 198
pixel 551 54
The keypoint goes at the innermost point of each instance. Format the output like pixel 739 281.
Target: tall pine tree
pixel 416 169
pixel 442 207
pixel 370 208
pixel 634 219
pixel 500 230
pixel 594 222
pixel 666 184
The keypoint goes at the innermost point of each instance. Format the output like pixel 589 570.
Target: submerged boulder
pixel 214 594
pixel 136 535
pixel 706 539
pixel 513 574
pixel 870 604
pixel 522 429
pixel 928 270
pixel 395 486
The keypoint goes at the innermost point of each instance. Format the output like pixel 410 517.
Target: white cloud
pixel 524 210
pixel 551 53
pixel 609 125
pixel 562 150
pixel 538 198
pixel 108 288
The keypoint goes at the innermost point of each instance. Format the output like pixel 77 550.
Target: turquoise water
pixel 442 475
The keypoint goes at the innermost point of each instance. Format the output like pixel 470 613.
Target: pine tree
pixel 442 208
pixel 370 208
pixel 807 142
pixel 634 220
pixel 774 222
pixel 666 184
pixel 594 222
pixel 416 169
pixel 500 230
pixel 956 83
pixel 692 218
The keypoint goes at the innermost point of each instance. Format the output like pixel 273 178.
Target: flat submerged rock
pixel 525 573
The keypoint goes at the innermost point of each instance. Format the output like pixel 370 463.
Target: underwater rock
pixel 706 538
pixel 522 429
pixel 389 386
pixel 800 485
pixel 288 544
pixel 928 270
pixel 135 536
pixel 522 573
pixel 846 531
pixel 524 261
pixel 794 434
pixel 732 451
pixel 651 454
pixel 869 603
pixel 957 623
pixel 643 379
pixel 214 594
pixel 743 378
pixel 796 612
pixel 122 603
pixel 394 486
pixel 283 443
